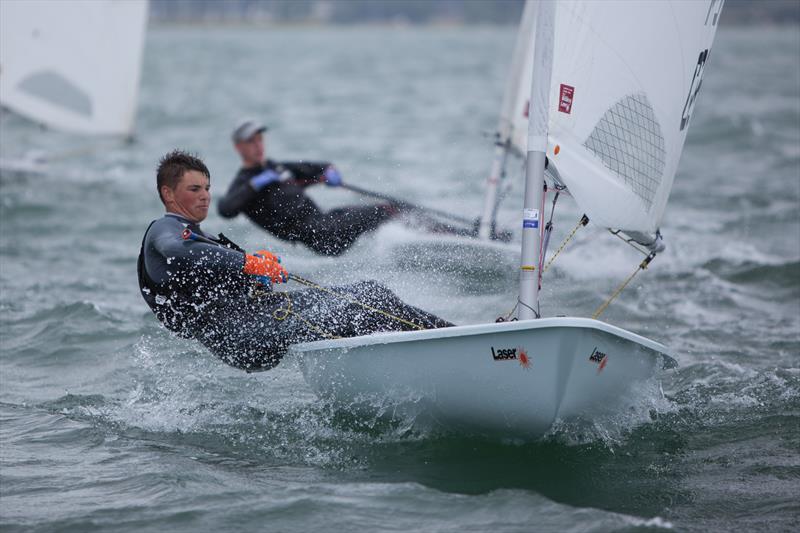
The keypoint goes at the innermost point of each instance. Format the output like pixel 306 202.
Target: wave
pixel 76 331
pixel 782 275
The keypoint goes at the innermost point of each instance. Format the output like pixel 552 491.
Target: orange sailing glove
pixel 265 264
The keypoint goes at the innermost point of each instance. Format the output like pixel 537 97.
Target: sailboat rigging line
pixel 506 145
pixel 582 222
pixel 616 233
pixel 505 317
pixel 282 314
pixel 642 266
pixel 313 285
pixel 548 230
pixel 523 304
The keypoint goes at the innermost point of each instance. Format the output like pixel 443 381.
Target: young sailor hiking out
pixel 209 289
pixel 272 194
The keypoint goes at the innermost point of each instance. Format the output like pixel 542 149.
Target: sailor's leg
pixel 360 219
pixel 376 295
pixel 335 231
pixel 360 309
pixel 255 336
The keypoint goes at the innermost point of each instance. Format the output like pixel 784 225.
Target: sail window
pixel 57 90
pixel 628 140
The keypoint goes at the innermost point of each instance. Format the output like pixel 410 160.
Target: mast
pixel 490 202
pixel 534 166
pixel 506 123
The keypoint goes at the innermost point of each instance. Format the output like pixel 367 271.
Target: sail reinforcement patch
pixel 57 90
pixel 629 142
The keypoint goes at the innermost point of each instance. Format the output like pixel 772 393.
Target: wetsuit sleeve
pixel 306 173
pixel 188 256
pixel 239 194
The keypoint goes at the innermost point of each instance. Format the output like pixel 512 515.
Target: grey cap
pixel 246 129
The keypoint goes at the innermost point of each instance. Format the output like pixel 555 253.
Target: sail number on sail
pixel 714 9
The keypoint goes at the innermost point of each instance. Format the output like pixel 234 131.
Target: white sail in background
pixel 513 124
pixel 73 65
pixel 509 126
pixel 624 82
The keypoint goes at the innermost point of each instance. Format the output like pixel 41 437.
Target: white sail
pixel 73 65
pixel 624 82
pixel 625 79
pixel 513 123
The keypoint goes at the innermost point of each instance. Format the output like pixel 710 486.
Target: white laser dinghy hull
pixel 515 378
pixel 611 91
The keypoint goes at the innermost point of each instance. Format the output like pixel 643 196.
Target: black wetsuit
pixel 284 209
pixel 198 291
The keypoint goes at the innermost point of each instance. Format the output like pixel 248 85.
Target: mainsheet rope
pixel 313 285
pixel 282 314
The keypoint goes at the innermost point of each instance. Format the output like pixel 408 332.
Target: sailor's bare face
pixel 191 198
pixel 252 150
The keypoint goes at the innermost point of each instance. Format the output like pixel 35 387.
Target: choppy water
pixel 108 423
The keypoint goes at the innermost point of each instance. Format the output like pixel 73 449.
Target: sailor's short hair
pixel 174 165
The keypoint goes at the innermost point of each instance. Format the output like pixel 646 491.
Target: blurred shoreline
pixel 401 25
pixel 403 13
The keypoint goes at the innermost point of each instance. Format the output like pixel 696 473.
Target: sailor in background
pixel 273 195
pixel 209 289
